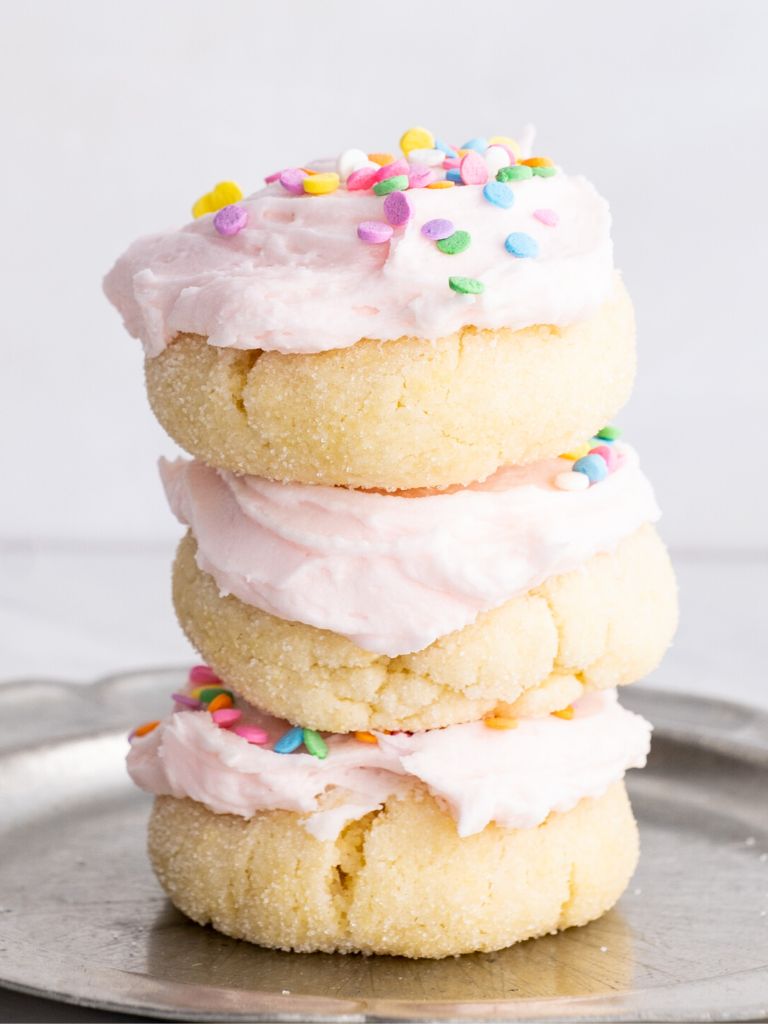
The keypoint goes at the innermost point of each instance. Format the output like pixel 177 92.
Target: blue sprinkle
pixel 479 145
pixel 499 194
pixel 454 174
pixel 521 245
pixel 593 466
pixel 445 148
pixel 290 741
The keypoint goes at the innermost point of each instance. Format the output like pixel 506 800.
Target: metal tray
pixel 83 920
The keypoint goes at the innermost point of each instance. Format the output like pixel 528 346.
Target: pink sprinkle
pixel 251 733
pixel 419 176
pixel 274 176
pixel 363 178
pixel 398 208
pixel 225 717
pixel 548 217
pixel 608 453
pixel 374 231
pixel 292 180
pixel 451 161
pixel 392 170
pixel 185 701
pixel 437 229
pixel 202 674
pixel 230 220
pixel 473 169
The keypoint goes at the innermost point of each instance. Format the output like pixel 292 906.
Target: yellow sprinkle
pixel 440 184
pixel 577 453
pixel 196 692
pixel 416 138
pixel 382 159
pixel 321 184
pixel 366 737
pixel 223 194
pixel 146 728
pixel 538 161
pixel 505 140
pixel 500 722
pixel 463 152
pixel 566 713
pixel 223 700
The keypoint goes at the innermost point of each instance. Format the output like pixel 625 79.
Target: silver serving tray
pixel 83 920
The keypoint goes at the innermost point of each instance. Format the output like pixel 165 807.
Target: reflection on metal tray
pixel 82 918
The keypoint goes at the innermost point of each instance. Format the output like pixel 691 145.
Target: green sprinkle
pixel 544 172
pixel 457 242
pixel 517 172
pixel 209 693
pixel 396 184
pixel 609 434
pixel 315 744
pixel 466 285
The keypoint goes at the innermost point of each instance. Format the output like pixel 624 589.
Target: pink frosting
pixel 515 778
pixel 298 278
pixel 394 573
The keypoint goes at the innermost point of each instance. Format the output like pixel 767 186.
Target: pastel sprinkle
pixel 437 229
pixel 577 452
pixel 455 243
pixel 451 162
pixel 146 728
pixel 398 208
pixel 383 188
pixel 274 176
pixel 544 172
pixel 374 231
pixel 538 161
pixel 499 194
pixel 202 674
pixel 609 433
pixel 454 175
pixel 441 184
pixel 473 169
pixel 315 744
pixel 350 160
pixel 419 177
pixel 252 733
pixel 466 285
pixel 566 713
pixel 222 194
pixel 445 148
pixel 504 140
pixel 382 158
pixel 392 170
pixel 479 145
pixel 186 701
pixel 570 481
pixel 209 693
pixel 592 466
pixel 500 722
pixel 220 703
pixel 365 737
pixel 547 216
pixel 226 717
pixel 292 180
pixel 416 139
pixel 521 245
pixel 497 157
pixel 608 453
pixel 362 179
pixel 321 184
pixel 230 220
pixel 428 157
pixel 290 741
pixel 515 173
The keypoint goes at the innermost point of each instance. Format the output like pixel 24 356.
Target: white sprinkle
pixel 352 160
pixel 571 481
pixel 496 157
pixel 603 949
pixel 428 157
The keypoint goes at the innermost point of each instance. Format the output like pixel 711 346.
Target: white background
pixel 117 115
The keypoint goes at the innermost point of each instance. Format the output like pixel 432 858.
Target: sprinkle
pixel 230 220
pixel 609 433
pixel 437 229
pixel 593 466
pixel 479 145
pixel 220 703
pixel 474 170
pixel 351 160
pixel 362 178
pixel 440 184
pixel 521 245
pixel 415 139
pixel 252 733
pixel 428 157
pixel 537 161
pixel 392 170
pixel 209 693
pixel 497 157
pixel 515 173
pixel 466 285
pixel 419 177
pixel 570 481
pixel 566 713
pixel 608 453
pixel 500 722
pixel 398 209
pixel 374 231
pixel 223 194
pixel 507 142
pixel 365 737
pixel 544 172
pixel 226 717
pixel 274 176
pixel 382 158
pixel 546 216
pixel 450 162
pixel 455 243
pixel 186 701
pixel 315 744
pixel 396 184
pixel 290 741
pixel 578 452
pixel 148 727
pixel 454 175
pixel 321 184
pixel 445 148
pixel 499 194
pixel 201 674
pixel 292 180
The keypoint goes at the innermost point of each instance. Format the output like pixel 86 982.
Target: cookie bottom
pixel 399 881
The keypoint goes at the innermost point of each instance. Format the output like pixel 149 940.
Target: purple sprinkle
pixel 398 208
pixel 186 701
pixel 230 219
pixel 292 179
pixel 374 231
pixel 437 229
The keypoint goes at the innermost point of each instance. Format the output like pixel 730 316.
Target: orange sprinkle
pixel 443 183
pixel 366 737
pixel 462 152
pixel 223 700
pixel 146 728
pixel 500 722
pixel 308 170
pixel 538 161
pixel 566 713
pixel 382 159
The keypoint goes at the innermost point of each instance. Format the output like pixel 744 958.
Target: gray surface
pixel 83 919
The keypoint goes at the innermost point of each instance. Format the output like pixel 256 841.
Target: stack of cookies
pixel 418 560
